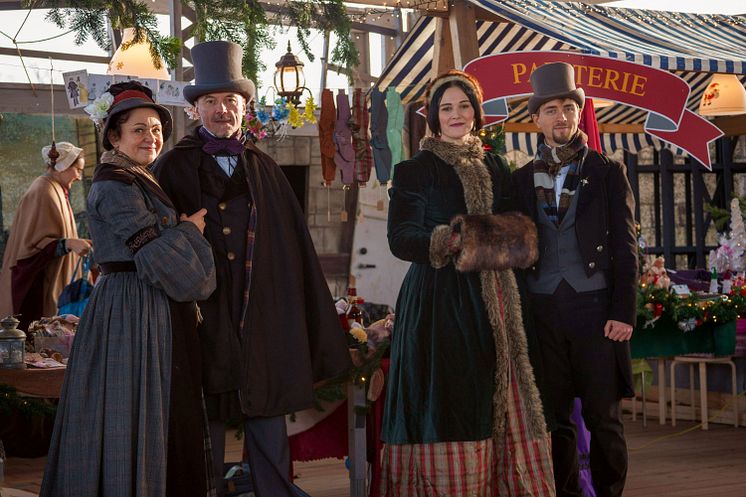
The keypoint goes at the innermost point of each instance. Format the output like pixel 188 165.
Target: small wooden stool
pixel 703 362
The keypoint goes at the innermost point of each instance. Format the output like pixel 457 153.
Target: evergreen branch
pixel 242 21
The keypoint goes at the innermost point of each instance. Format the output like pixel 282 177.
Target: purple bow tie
pixel 221 146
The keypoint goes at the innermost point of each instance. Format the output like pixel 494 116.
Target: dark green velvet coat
pixel 441 381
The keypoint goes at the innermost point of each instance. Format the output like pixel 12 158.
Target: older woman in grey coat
pixel 130 421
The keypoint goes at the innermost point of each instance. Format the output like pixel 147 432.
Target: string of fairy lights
pixel 529 8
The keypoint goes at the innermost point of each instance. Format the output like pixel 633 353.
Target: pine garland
pixel 240 21
pixel 653 302
pixel 10 401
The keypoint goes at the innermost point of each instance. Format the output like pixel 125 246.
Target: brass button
pixel 164 221
pixel 221 206
pixel 600 248
pixel 226 231
pixel 231 256
pixel 591 265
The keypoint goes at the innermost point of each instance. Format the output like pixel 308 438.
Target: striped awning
pixel 691 45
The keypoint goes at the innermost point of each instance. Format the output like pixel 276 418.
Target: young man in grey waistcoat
pixel 583 288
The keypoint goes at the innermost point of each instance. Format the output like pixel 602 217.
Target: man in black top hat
pixel 270 330
pixel 584 282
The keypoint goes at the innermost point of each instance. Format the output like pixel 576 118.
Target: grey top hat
pixel 555 80
pixel 132 95
pixel 217 68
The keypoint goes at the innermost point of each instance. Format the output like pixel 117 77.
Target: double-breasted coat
pixel 291 336
pixel 605 230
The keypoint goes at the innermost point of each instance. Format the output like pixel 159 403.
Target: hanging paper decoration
pixel 379 117
pixel 360 141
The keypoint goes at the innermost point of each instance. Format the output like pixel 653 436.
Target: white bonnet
pixel 68 153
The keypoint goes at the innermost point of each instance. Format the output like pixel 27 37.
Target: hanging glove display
pixel 395 126
pixel 360 140
pixel 379 117
pixel 344 158
pixel 327 122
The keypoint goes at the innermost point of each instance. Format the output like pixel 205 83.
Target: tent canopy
pixel 693 46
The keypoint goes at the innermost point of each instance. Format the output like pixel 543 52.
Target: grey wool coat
pixel 111 431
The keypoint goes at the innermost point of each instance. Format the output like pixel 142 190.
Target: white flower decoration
pixel 192 113
pixel 100 108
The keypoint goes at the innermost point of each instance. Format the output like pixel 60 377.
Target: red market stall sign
pixel 663 94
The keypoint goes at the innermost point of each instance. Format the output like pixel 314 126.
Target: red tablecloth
pixel 328 438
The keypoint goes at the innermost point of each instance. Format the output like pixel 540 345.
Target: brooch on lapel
pixel 584 182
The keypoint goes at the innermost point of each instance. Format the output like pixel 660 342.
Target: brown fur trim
pixel 439 252
pixel 468 162
pixel 499 292
pixel 518 346
pixel 496 241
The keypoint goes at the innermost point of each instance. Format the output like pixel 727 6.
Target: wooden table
pixel 35 382
pixel 664 340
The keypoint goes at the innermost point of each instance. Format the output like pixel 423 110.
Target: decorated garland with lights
pixel 335 388
pixel 245 23
pixel 688 312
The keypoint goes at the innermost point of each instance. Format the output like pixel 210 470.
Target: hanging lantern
pixel 289 78
pixel 724 96
pixel 136 59
pixel 12 345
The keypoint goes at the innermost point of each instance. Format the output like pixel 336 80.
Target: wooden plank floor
pixel 694 464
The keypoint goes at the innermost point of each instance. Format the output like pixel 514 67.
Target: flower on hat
pixel 192 113
pixel 99 108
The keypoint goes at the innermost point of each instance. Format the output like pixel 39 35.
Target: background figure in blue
pixel 583 288
pixel 270 329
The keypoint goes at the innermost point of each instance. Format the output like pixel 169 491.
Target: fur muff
pixel 439 250
pixel 504 312
pixel 496 241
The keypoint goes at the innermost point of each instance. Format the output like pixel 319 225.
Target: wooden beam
pixel 731 125
pixel 602 128
pixel 39 54
pixel 442 48
pixel 462 21
pixel 18 98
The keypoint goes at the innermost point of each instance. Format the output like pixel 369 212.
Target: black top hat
pixel 555 80
pixel 217 68
pixel 131 95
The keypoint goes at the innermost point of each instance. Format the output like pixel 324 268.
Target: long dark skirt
pixel 186 466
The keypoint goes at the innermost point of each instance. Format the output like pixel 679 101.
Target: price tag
pixel 379 205
pixel 343 216
pixel 680 290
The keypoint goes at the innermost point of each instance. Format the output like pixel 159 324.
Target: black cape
pixel 292 337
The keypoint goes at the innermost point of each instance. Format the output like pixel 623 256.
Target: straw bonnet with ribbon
pixel 127 96
pixel 552 81
pixel 217 68
pixel 67 154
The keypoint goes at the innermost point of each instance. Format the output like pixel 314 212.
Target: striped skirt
pixel 512 467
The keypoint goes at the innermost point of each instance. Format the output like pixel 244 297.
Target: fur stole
pixel 499 293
